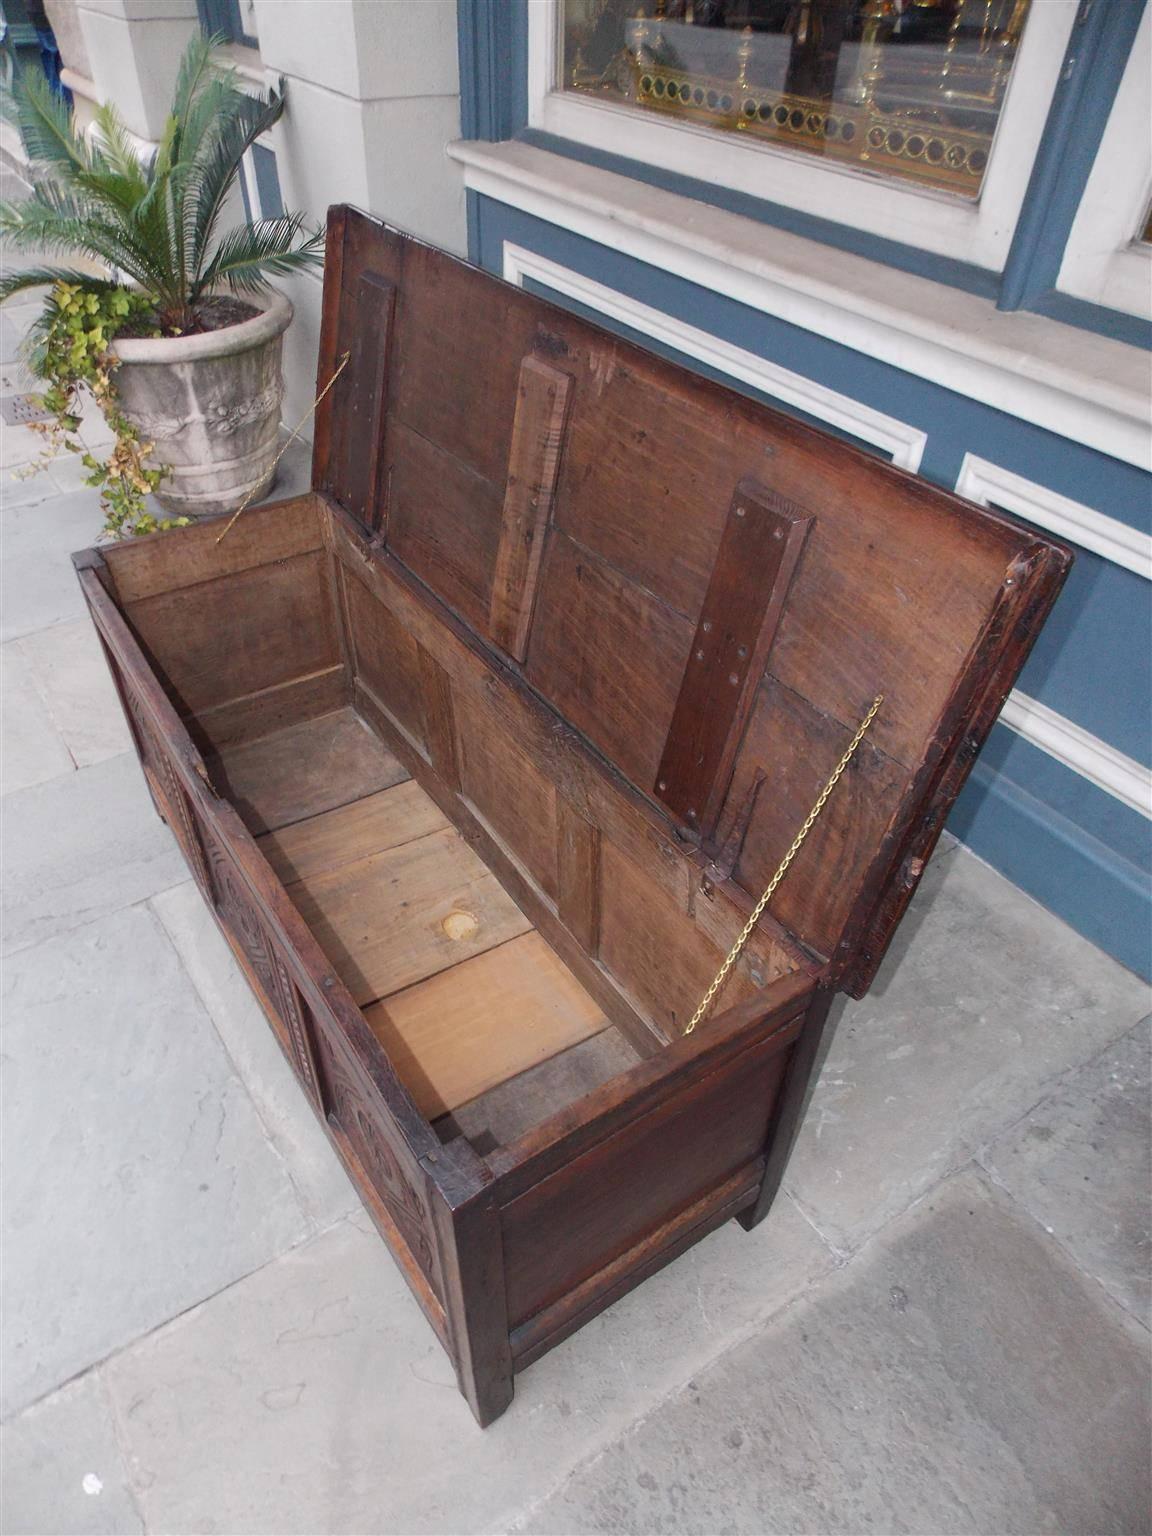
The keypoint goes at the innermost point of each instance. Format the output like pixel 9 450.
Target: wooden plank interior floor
pixel 460 989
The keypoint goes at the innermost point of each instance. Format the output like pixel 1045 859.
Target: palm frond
pixel 249 256
pixel 156 222
pixel 200 100
pixel 72 229
pixel 217 169
pixel 47 124
pixel 117 153
pixel 38 277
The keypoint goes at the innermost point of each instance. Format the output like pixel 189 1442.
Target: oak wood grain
pixel 483 1021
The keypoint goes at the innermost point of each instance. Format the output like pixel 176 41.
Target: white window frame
pixel 978 232
pixel 990 485
pixel 1104 260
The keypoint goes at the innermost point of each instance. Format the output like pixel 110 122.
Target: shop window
pixel 910 89
pixel 260 185
pixel 234 20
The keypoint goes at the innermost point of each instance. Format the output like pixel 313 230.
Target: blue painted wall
pixel 1076 848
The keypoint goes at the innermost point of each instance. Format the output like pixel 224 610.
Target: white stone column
pixel 134 49
pixel 373 101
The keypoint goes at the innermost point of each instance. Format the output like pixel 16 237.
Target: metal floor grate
pixel 18 410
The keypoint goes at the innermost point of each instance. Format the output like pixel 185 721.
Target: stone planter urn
pixel 210 404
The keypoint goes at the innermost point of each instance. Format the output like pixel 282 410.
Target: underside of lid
pixel 708 592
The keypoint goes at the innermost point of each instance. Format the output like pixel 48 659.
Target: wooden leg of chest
pixel 468 1228
pixel 790 1108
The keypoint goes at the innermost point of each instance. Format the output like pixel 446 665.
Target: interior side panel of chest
pixel 574 500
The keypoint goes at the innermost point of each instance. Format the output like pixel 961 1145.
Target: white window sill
pixel 1081 386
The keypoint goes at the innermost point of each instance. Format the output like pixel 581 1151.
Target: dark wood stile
pixel 325 414
pixel 533 465
pixel 482 752
pixel 729 652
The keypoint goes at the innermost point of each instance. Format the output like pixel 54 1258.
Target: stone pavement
pixel 942 1327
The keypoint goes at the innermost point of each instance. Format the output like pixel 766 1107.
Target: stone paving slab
pixel 63 1474
pixel 31 748
pixel 313 1397
pixel 137 1178
pixel 38 586
pixel 324 1188
pixel 70 672
pixel 985 999
pixel 81 846
pixel 1081 1163
pixel 960 1375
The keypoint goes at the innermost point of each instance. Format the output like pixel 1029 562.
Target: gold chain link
pixel 782 869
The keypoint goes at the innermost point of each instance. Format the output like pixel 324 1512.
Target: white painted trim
pixel 1104 262
pixel 978 231
pixel 904 444
pixel 1103 765
pixel 1129 781
pixel 986 483
pixel 1087 388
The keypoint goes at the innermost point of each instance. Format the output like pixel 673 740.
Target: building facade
pixel 920 224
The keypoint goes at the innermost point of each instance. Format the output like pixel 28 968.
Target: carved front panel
pixel 356 1108
pixel 171 798
pixel 229 895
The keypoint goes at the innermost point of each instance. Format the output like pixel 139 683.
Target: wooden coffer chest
pixel 482 751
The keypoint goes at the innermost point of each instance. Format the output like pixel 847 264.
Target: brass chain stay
pixel 781 870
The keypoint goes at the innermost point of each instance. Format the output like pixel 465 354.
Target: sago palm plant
pixel 154 228
pixel 154 224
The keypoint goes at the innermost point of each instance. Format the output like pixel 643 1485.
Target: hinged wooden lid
pixel 710 592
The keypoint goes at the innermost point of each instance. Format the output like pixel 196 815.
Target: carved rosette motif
pixel 168 790
pixel 292 1012
pixel 380 1162
pixel 240 918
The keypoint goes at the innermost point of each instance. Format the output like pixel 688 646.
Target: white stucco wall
pixel 133 49
pixel 373 101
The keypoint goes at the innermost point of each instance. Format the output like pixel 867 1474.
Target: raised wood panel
pixel 486 1020
pixel 398 1180
pixel 659 956
pixel 516 800
pixel 578 875
pixel 444 522
pixel 576 1221
pixel 147 566
pixel 608 656
pixel 648 475
pixel 816 896
pixel 458 361
pixel 892 597
pixel 384 655
pixel 208 658
pixel 388 921
pixel 342 446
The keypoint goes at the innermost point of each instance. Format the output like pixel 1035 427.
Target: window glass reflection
pixel 908 88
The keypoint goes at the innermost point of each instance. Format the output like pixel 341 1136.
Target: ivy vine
pixel 71 351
